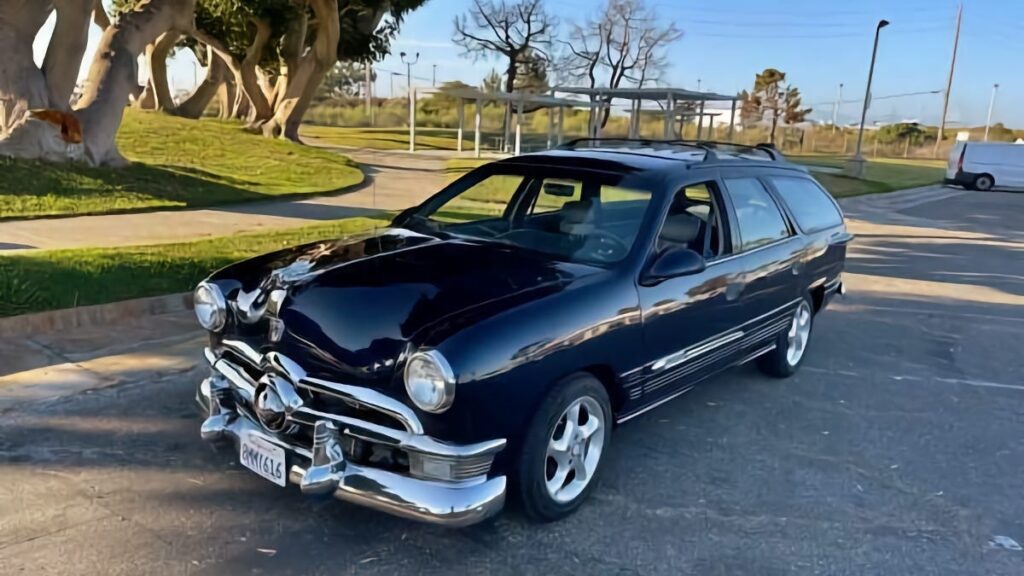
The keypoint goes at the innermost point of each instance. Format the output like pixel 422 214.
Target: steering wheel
pixel 605 246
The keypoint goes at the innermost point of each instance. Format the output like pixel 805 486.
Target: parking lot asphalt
pixel 897 449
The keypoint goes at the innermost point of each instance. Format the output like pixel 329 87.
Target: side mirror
pixel 673 263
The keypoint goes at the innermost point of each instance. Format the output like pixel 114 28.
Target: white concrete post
pixel 732 120
pixel 634 112
pixel 462 120
pixel 700 121
pixel 412 120
pixel 561 125
pixel 670 114
pixel 519 126
pixel 476 129
pixel 551 121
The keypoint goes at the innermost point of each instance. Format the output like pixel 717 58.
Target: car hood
pixel 350 309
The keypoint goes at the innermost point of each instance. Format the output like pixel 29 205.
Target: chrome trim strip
pixel 758 249
pixel 369 398
pixel 646 409
pixel 677 358
pixel 758 353
pixel 709 344
pixel 355 395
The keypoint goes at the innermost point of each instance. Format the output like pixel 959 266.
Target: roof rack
pixel 710 147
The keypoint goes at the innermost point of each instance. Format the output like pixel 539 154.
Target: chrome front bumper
pixel 323 468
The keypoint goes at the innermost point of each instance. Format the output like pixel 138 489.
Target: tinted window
pixel 811 206
pixel 483 200
pixel 757 215
pixel 692 222
pixel 582 217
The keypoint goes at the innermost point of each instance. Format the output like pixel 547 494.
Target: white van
pixel 982 165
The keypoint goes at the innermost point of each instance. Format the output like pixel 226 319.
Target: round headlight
pixel 211 310
pixel 430 382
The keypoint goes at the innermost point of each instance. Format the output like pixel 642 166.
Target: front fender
pixel 506 364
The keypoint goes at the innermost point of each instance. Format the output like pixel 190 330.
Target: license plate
pixel 263 457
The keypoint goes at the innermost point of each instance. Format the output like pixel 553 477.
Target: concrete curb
pixel 92 316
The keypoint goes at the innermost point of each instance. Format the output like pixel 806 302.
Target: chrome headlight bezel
pixel 430 394
pixel 210 307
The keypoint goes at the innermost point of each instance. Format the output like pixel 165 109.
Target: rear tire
pixel 791 344
pixel 983 182
pixel 554 452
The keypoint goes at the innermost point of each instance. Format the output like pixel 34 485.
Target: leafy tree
pixel 345 80
pixel 532 73
pixel 901 131
pixel 492 82
pixel 771 98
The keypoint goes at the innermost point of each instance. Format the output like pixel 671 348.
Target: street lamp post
pixel 855 167
pixel 408 72
pixel 412 99
pixel 991 104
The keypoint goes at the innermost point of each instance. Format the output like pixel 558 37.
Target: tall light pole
pixel 855 167
pixel 408 72
pixel 835 109
pixel 949 80
pixel 991 104
pixel 433 76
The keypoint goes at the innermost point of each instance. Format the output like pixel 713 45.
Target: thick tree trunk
pixel 22 84
pixel 64 53
pixel 226 99
pixel 114 71
pixel 145 99
pixel 194 106
pixel 156 59
pixel 293 73
pixel 259 109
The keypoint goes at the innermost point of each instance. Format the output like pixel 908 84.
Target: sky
pixel 818 44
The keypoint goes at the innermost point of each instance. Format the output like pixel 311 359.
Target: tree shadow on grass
pixel 42 189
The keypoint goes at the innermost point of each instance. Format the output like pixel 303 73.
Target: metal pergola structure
pixel 601 98
pixel 521 102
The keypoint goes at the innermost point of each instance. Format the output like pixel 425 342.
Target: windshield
pixel 571 215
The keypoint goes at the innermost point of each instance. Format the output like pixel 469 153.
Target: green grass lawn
pixel 388 138
pixel 880 175
pixel 178 163
pixel 37 281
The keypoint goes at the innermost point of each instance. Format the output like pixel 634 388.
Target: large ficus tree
pixel 272 54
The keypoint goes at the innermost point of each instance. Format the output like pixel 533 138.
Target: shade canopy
pixel 528 100
pixel 661 94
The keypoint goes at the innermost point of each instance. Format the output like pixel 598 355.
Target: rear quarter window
pixel 810 204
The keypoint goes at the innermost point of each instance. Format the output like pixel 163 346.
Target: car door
pixel 768 256
pixel 686 320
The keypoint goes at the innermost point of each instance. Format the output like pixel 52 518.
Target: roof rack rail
pixel 710 147
pixel 767 149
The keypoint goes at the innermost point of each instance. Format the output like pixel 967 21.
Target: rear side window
pixel 757 215
pixel 811 206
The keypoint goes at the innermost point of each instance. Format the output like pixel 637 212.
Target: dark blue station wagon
pixel 488 341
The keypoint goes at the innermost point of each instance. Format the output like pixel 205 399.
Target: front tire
pixel 563 448
pixel 791 344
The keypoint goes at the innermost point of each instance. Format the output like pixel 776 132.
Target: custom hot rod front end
pixel 372 451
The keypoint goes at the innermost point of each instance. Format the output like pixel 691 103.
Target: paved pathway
pixel 395 180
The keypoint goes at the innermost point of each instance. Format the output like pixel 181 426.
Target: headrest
pixel 577 217
pixel 680 228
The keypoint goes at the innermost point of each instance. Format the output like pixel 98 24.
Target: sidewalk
pixel 394 180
